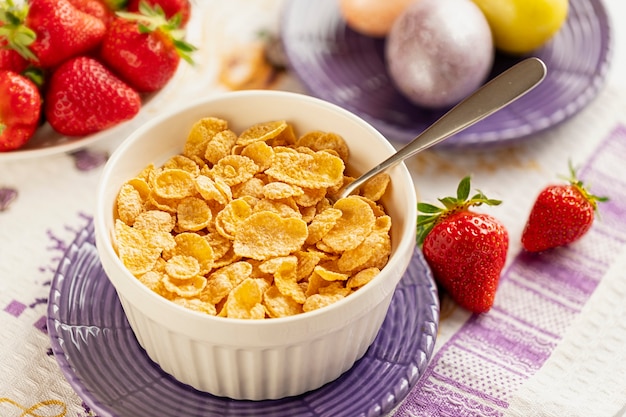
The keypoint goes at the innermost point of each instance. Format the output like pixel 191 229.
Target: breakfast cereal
pixel 242 226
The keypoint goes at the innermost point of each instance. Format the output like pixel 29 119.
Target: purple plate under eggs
pixel 103 362
pixel 337 64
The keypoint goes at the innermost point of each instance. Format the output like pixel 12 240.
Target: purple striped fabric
pixel 492 355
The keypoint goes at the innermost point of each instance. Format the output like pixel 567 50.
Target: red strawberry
pixel 84 97
pixel 170 7
pixel 96 8
pixel 15 39
pixel 144 49
pixel 562 214
pixel 20 108
pixel 61 31
pixel 465 250
pixel 11 60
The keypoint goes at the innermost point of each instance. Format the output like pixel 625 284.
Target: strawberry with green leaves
pixel 465 250
pixel 48 32
pixel 11 33
pixel 170 7
pixel 20 109
pixel 145 48
pixel 85 97
pixel 561 214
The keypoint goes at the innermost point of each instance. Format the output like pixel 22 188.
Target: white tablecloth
pixel 551 346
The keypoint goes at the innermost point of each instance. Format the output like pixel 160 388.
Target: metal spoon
pixel 491 97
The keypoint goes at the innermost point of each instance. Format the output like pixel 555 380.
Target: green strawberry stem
pixel 582 189
pixel 36 75
pixel 151 19
pixel 18 36
pixel 429 215
pixel 116 4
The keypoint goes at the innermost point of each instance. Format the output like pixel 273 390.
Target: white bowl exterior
pixel 245 359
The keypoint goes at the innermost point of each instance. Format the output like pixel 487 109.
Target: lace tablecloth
pixel 551 346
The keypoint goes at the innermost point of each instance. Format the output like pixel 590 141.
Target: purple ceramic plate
pixel 100 357
pixel 346 68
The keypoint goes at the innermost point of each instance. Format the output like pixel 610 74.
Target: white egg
pixel 372 17
pixel 439 51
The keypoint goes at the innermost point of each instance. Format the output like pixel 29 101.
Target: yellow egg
pixel 372 17
pixel 520 26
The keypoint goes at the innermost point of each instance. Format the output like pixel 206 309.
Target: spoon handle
pixel 491 97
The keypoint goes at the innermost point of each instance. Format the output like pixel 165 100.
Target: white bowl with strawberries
pixel 72 70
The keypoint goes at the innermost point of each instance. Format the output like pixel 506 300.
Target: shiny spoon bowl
pixel 488 99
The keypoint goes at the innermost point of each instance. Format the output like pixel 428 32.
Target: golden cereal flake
pixel 318 141
pixel 356 222
pixel 173 184
pixel 193 214
pixel 155 220
pixel 228 221
pixel 182 267
pixel 129 204
pixel 219 146
pixel 261 132
pixel 200 134
pixel 264 235
pixel 320 170
pixel 317 301
pixel 279 305
pixel 234 169
pixel 245 300
pixel 184 163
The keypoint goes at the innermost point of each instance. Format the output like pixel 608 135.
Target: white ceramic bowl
pixel 257 359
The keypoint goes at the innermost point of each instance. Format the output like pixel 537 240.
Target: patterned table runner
pixel 481 367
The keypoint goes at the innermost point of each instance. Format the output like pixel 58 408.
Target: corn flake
pixel 245 300
pixel 329 275
pixel 174 184
pixel 192 244
pixel 356 222
pixel 219 146
pixel 193 214
pixel 279 190
pixel 182 267
pixel 184 163
pixel 320 170
pixel 362 277
pixel 318 141
pixel 196 304
pixel 285 277
pixel 264 235
pixel 317 301
pixel 155 220
pixel 139 249
pixel 262 132
pixel 228 220
pixel 375 187
pixel 129 204
pixel 186 288
pixel 322 224
pixel 261 153
pixel 234 169
pixel 200 134
pixel 372 252
pixel 279 305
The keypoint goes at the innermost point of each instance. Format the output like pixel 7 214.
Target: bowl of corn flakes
pixel 238 272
